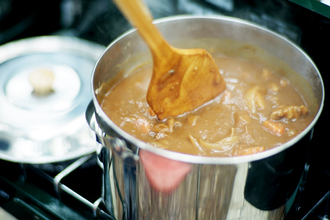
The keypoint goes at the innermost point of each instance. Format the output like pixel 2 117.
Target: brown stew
pixel 257 111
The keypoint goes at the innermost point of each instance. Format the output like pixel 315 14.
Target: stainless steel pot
pixel 259 186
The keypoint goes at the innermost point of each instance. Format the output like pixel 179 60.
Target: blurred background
pixel 101 22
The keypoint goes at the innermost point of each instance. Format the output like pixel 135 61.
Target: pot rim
pixel 198 159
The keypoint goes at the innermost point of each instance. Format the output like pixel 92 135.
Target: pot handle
pixel 114 143
pixel 90 116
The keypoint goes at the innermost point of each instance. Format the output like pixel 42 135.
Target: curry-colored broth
pixel 231 124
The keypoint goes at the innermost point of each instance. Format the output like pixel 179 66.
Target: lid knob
pixel 42 81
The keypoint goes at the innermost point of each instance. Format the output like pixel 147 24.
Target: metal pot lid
pixel 45 89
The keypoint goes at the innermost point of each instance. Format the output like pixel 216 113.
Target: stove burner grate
pixel 72 193
pixel 320 210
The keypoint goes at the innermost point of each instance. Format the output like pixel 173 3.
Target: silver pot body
pixel 259 186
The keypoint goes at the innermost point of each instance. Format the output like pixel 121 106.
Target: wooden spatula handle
pixel 140 17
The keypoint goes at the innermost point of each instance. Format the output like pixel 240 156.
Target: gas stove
pixel 73 189
pixel 68 190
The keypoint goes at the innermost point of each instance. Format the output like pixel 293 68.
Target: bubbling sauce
pixel 258 111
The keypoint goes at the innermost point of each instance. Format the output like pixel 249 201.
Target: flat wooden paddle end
pixel 194 81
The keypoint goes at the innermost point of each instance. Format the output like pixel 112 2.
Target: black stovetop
pixel 53 191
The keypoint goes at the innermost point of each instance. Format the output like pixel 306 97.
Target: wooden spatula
pixel 182 79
